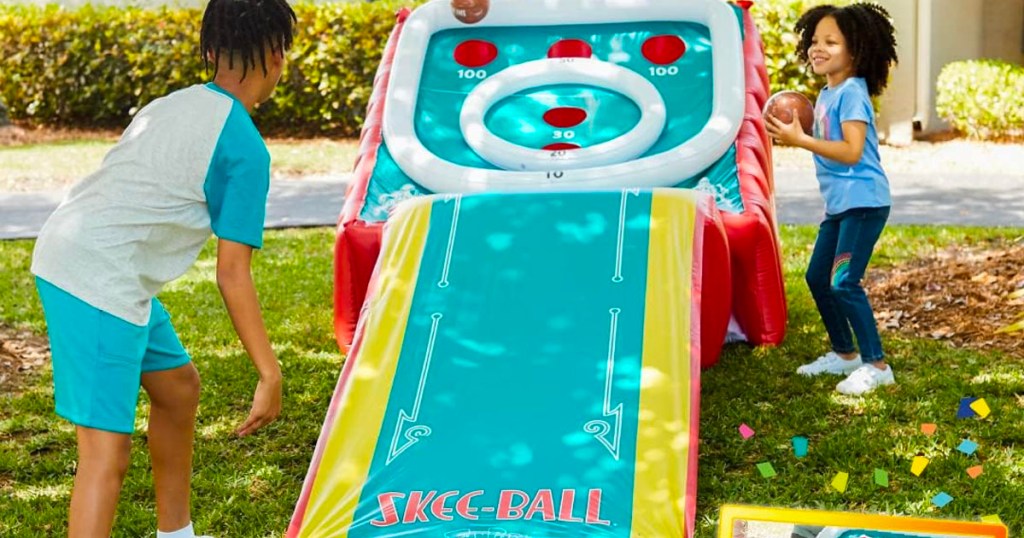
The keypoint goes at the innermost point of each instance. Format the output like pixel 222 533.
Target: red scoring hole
pixel 475 53
pixel 565 117
pixel 663 49
pixel 561 145
pixel 570 48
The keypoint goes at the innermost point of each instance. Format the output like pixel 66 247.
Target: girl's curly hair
pixel 870 38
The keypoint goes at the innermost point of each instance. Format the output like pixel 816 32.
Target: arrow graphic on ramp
pixel 608 431
pixel 406 437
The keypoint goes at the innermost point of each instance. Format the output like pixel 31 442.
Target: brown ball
pixel 470 11
pixel 783 104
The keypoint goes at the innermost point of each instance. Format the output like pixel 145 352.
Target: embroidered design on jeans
pixel 840 268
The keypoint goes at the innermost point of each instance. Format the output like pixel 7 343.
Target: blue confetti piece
pixel 942 499
pixel 965 410
pixel 967 447
pixel 800 446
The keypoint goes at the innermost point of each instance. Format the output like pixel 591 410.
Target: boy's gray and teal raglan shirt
pixel 190 163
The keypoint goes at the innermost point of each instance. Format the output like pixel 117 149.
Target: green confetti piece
pixel 766 469
pixel 881 478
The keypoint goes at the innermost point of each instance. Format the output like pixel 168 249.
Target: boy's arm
pixel 847 151
pixel 234 278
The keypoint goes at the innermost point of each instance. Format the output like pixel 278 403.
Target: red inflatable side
pixel 358 242
pixel 715 291
pixel 759 298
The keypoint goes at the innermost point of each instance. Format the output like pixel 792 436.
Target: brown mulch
pixel 11 135
pixel 23 135
pixel 963 295
pixel 21 353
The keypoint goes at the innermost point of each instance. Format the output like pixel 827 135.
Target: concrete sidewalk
pixel 291 204
pixel 947 199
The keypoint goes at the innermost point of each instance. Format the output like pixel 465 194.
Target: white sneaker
pixel 866 379
pixel 830 363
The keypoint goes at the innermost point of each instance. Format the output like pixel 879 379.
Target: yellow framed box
pixel 862 525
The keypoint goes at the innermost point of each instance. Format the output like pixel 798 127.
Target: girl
pixel 853 47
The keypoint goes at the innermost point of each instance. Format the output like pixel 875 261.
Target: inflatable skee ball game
pixel 558 214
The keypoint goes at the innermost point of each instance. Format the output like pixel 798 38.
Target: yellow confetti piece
pixel 980 407
pixel 994 518
pixel 920 462
pixel 840 482
pixel 1012 328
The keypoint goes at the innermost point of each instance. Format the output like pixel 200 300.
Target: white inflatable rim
pixel 539 73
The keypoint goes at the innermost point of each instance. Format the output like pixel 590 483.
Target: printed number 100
pixel 472 73
pixel 664 71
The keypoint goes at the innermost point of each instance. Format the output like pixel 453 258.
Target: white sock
pixel 186 532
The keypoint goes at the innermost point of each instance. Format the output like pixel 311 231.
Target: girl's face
pixel 828 53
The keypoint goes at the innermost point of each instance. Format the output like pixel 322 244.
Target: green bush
pixel 95 66
pixel 982 98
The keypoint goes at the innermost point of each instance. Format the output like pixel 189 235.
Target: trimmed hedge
pixel 95 66
pixel 982 98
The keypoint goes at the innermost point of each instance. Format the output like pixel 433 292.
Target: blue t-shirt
pixel 843 186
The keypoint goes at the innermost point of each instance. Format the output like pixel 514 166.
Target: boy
pixel 190 163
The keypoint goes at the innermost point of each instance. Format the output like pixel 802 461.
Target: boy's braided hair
pixel 245 27
pixel 870 38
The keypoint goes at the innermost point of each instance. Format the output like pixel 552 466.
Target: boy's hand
pixel 790 134
pixel 266 406
pixel 234 278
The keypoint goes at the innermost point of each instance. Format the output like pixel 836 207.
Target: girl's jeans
pixel 841 254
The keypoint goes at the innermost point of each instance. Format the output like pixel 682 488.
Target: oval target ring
pixel 562 71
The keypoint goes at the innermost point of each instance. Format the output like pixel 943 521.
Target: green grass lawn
pixel 248 487
pixel 55 165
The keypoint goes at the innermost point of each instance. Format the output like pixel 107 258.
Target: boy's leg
pixel 103 459
pixel 174 398
pixel 818 277
pixel 859 232
pixel 172 383
pixel 97 361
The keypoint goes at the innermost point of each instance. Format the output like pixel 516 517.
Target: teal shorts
pixel 99 358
